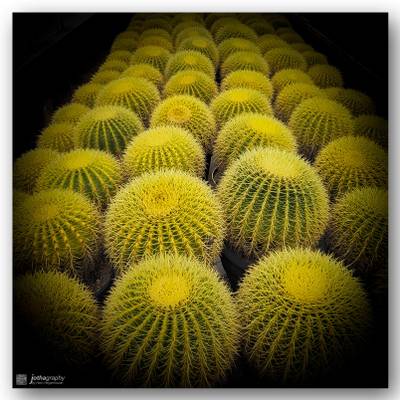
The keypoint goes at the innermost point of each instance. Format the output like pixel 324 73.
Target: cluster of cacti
pixel 288 76
pixel 244 60
pixel 145 71
pixel 203 45
pixel 284 58
pixel 234 45
pixel 155 56
pixel 58 136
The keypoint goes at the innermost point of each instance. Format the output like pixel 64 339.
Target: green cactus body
pixel 325 76
pixel 127 35
pixel 317 121
pixel 28 167
pixel 136 94
pixel 233 102
pixel 244 60
pixel 165 147
pixel 268 42
pixel 358 231
pixel 248 80
pixel 234 45
pixel 167 211
pixel 229 31
pixel 113 65
pixel 291 37
pixel 211 18
pixel 70 113
pixel 156 41
pixel 93 173
pixel 156 32
pixel 182 25
pixel 352 162
pixel 201 44
pixel 86 94
pixel 248 131
pixel 357 102
pixel 285 58
pixel 145 71
pixel 314 58
pixel 189 60
pixel 62 312
pixel 122 55
pixel 302 47
pixel 288 76
pixel 272 199
pixel 108 128
pixel 224 21
pixel 159 22
pixel 192 32
pixel 55 230
pixel 104 77
pixel 127 44
pixel 189 113
pixel 156 56
pixel 303 314
pixel 57 136
pixel 372 127
pixel 291 96
pixel 170 322
pixel 193 83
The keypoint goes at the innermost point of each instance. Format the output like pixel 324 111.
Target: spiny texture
pixel 317 121
pixel 104 77
pixel 268 42
pixel 272 199
pixel 288 76
pixel 137 94
pixel 351 162
pixel 170 322
pixel 313 57
pixel 302 47
pixel 326 76
pixel 167 211
pixel 121 43
pixel 284 58
pixel 359 228
pixel 357 102
pixel 145 71
pixel 224 21
pixel 70 113
pixel 156 32
pixel 231 46
pixel 165 147
pixel 373 127
pixel 57 136
pixel 189 113
pixel 18 197
pixel 244 60
pixel 156 40
pixel 292 95
pixel 201 44
pixel 234 30
pixel 159 22
pixel 86 94
pixel 55 229
pixel 181 26
pixel 93 173
pixel 291 37
pixel 248 131
pixel 127 35
pixel 279 21
pixel 122 55
pixel 108 128
pixel 248 79
pixel 261 27
pixel 233 102
pixel 153 55
pixel 62 312
pixel 114 65
pixel 185 60
pixel 193 83
pixel 302 314
pixel 28 167
pixel 192 32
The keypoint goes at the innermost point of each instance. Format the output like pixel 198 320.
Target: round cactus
pixel 285 58
pixel 122 55
pixel 279 21
pixel 167 211
pixel 93 173
pixel 192 319
pixel 185 60
pixel 70 113
pixel 86 94
pixel 156 56
pixel 57 136
pixel 145 71
pixel 291 37
pixel 137 94
pixel 156 32
pixel 317 121
pixel 28 167
pixel 165 147
pixel 313 57
pixel 127 35
pixel 359 228
pixel 272 199
pixel 249 80
pixel 357 102
pixel 244 60
pixel 292 95
pixel 261 27
pixel 373 127
pixel 302 314
pixel 268 42
pixel 224 21
pixel 235 30
pixel 189 113
pixel 61 312
pixel 248 131
pixel 288 76
pixel 351 162
pixel 233 102
pixel 193 31
pixel 202 45
pixel 159 22
pixel 301 47
pixel 156 40
pixel 326 76
pixel 231 46
pixel 181 26
pixel 104 77
pixel 127 44
pixel 113 65
pixel 108 128
pixel 55 230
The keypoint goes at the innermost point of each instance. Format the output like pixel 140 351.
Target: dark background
pixel 55 53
